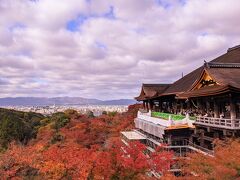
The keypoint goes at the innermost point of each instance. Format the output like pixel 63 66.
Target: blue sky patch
pixel 4 81
pixel 182 2
pixel 26 53
pixel 163 3
pixel 139 30
pixel 39 80
pixel 100 45
pixel 74 24
pixel 110 14
pixel 204 34
pixel 17 26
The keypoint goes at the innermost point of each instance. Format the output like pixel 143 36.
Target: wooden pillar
pixel 151 105
pixel 232 108
pixel 147 105
pixel 202 138
pixel 188 106
pixel 200 107
pixel 169 140
pixel 208 106
pixel 181 110
pixel 169 107
pixel 160 106
pixel 215 135
pixel 143 104
pixel 216 109
pixel 175 107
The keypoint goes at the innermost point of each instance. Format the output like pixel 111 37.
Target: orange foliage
pixel 67 160
pixel 133 157
pixel 87 148
pixel 224 165
pixel 161 160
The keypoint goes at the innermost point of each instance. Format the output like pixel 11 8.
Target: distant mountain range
pixel 42 101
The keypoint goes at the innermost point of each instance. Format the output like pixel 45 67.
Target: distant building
pixel 196 109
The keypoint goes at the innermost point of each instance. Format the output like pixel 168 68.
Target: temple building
pixel 196 109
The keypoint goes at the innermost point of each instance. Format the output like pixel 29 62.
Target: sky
pixel 106 49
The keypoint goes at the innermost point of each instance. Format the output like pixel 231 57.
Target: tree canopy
pixel 70 145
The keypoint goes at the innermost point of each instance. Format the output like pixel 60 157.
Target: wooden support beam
pixel 200 106
pixel 208 129
pixel 169 139
pixel 208 106
pixel 232 108
pixel 160 106
pixel 151 105
pixel 224 132
pixel 216 135
pixel 216 109
pixel 181 103
pixel 188 105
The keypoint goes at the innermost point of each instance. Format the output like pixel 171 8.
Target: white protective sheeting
pixel 149 127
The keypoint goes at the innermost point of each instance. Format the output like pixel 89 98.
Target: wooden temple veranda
pixel 196 109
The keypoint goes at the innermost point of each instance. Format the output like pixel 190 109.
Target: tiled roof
pixel 151 90
pixel 225 69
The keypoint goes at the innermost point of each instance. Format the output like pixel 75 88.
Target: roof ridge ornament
pixel 206 64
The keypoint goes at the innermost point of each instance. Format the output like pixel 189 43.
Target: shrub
pixel 59 120
pixel 90 114
pixel 104 113
pixel 57 137
pixel 71 113
pixel 112 114
pixel 45 121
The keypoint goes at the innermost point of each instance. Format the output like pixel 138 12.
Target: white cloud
pixel 113 49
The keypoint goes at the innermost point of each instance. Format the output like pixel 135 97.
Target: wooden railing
pixel 219 122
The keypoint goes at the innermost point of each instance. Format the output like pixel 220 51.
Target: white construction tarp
pixel 149 127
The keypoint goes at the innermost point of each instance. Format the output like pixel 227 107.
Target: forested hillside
pixel 73 146
pixel 70 145
pixel 18 126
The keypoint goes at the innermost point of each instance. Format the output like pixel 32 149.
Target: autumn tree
pixel 74 146
pixel 225 164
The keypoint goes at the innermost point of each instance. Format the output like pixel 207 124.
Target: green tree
pixel 59 120
pixel 18 126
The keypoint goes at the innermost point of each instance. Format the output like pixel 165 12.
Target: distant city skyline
pixel 83 109
pixel 106 49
